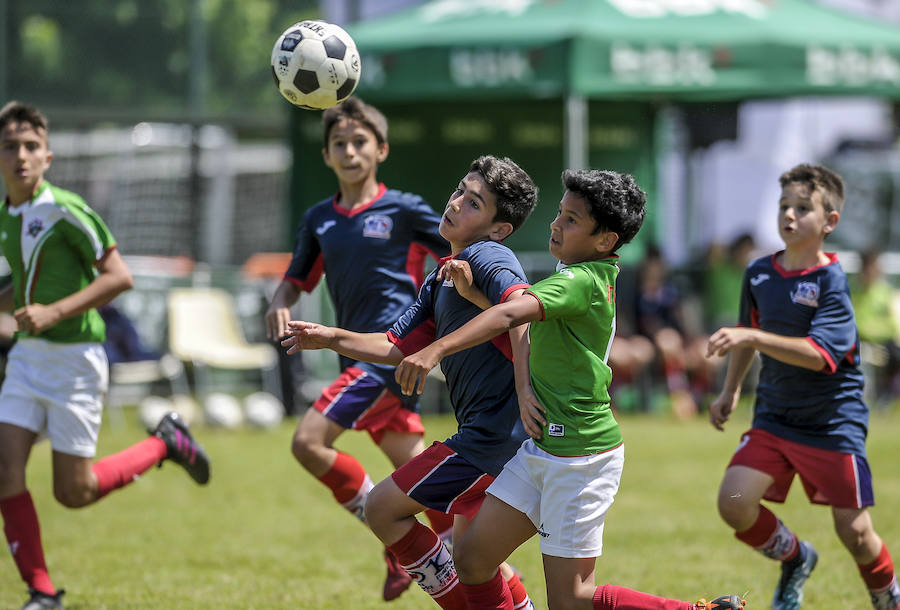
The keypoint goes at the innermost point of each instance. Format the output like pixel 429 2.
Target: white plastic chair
pixel 205 330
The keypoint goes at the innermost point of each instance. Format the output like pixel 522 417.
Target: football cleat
pixel 724 602
pixel 182 448
pixel 44 601
pixel 789 592
pixel 397 580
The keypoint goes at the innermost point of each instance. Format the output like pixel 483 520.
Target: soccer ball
pixel 263 410
pixel 315 65
pixel 152 409
pixel 222 410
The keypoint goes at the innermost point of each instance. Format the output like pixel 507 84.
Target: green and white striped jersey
pixel 52 244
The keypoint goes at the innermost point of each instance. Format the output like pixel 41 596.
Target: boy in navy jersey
pixel 809 418
pixel 371 243
pixel 491 201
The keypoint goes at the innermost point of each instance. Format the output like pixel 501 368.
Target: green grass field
pixel 264 534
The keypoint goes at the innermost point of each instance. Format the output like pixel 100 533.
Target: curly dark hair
pixel 818 178
pixel 515 190
pixel 615 201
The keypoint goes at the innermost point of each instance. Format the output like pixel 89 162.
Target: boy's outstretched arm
pixel 483 327
pixel 370 347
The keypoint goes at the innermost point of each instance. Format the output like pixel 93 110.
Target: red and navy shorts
pixel 357 401
pixel 443 480
pixel 841 480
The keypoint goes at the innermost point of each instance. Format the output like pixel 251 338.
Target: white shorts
pixel 57 389
pixel 566 498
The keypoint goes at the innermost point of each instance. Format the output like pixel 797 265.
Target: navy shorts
pixel 443 480
pixel 357 401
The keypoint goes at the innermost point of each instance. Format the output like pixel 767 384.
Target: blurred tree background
pixel 128 60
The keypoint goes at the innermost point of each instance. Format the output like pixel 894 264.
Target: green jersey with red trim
pixel 52 244
pixel 569 351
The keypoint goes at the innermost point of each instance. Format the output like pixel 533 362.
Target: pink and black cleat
pixel 182 448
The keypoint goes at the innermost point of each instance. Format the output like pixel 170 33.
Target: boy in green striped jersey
pixel 563 479
pixel 64 265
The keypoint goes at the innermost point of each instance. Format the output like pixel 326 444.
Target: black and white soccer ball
pixel 315 64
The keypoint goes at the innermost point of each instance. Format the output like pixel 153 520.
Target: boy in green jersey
pixel 64 265
pixel 563 479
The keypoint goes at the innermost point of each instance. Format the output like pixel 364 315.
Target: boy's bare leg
pixel 492 536
pixel 570 579
pixel 74 481
pixel 15 448
pixel 497 531
pixel 741 490
pixel 313 442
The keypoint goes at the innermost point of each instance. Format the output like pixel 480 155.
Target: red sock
pixel 879 574
pixel 120 469
pixel 349 484
pixel 612 597
pixel 23 532
pixel 344 478
pixel 421 550
pixel 519 594
pixel 770 536
pixel 441 523
pixel 491 595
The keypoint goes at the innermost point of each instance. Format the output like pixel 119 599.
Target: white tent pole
pixel 576 126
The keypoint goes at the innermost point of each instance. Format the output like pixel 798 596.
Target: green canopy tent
pixel 576 83
pixel 631 49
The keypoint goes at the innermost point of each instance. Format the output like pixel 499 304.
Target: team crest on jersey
pixel 806 293
pixel 35 227
pixel 377 225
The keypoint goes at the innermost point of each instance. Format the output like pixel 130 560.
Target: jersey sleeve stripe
pixel 312 278
pixel 511 290
pixel 830 364
pixel 415 263
pixel 419 337
pixel 540 304
pixel 97 245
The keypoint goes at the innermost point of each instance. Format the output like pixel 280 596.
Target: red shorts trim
pixel 443 480
pixel 841 480
pixel 357 401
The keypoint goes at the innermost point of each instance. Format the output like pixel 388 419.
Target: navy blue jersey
pixel 373 259
pixel 823 409
pixel 480 379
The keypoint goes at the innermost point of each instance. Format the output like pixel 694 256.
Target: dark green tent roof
pixel 626 49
